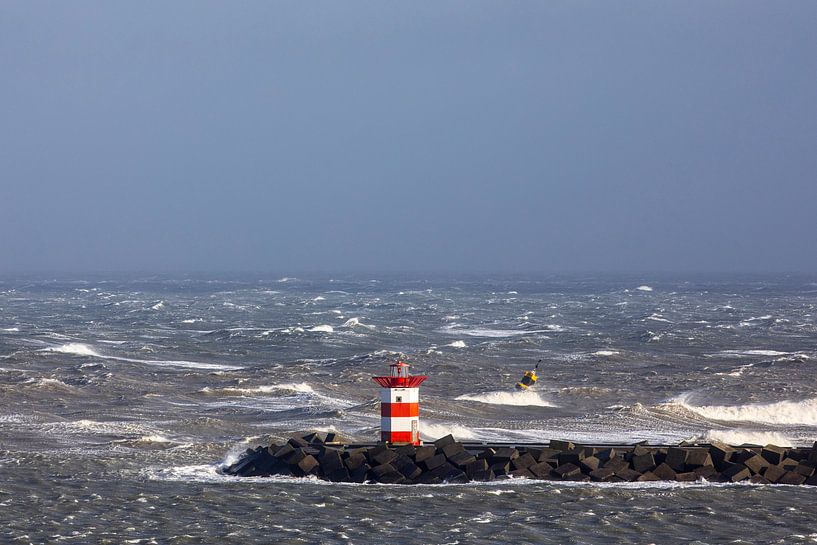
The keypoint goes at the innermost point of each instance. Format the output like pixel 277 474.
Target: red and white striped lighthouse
pixel 400 405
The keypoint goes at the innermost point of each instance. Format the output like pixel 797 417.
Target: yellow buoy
pixel 528 379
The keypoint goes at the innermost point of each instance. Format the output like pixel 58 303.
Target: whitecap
pixel 644 288
pixel 431 431
pixel 74 349
pixel 777 412
pixel 322 329
pixel 605 353
pixel 749 437
pixel 517 398
pixel 355 322
pixel 458 344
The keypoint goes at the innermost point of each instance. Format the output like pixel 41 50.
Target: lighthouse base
pixel 449 461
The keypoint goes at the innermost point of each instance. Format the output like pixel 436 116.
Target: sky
pixel 408 136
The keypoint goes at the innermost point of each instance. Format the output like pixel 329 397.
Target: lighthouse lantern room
pixel 400 405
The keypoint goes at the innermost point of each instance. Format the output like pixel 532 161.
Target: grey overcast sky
pixel 377 136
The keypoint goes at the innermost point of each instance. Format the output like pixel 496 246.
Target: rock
pixel 720 454
pixel 501 468
pixel 643 462
pixel 313 438
pixel 284 451
pixel 331 460
pixel 360 474
pixel 296 456
pixel 773 454
pixel 444 441
pixel 812 480
pixel 738 472
pixel 706 472
pixel 409 469
pixel 789 464
pixel 406 450
pixel 475 467
pixel 641 450
pixel 331 437
pixel 758 479
pixel 298 442
pixel 687 477
pixel 340 475
pixel 485 475
pixel 805 469
pixel 522 472
pixel 567 471
pixel 616 463
pixel 572 457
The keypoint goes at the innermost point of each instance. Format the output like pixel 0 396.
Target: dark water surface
pixel 121 396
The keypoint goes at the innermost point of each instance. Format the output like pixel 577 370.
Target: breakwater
pixel 449 461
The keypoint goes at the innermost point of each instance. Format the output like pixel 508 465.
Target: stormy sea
pixel 123 395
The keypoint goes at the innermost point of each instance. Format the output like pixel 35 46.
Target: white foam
pixel 780 412
pixel 80 349
pixel 644 288
pixel 322 329
pixel 738 353
pixel 355 322
pixel 10 329
pixel 319 298
pixel 605 353
pixel 458 344
pixel 497 333
pixel 751 437
pixel 192 320
pixel 657 318
pixel 430 431
pixel 517 398
pixel 265 389
pixel 158 306
pixel 75 349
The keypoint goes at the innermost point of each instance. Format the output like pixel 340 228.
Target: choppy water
pixel 122 395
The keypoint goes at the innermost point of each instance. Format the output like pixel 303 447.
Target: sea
pixel 121 397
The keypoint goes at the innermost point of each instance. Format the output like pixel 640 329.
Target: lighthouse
pixel 400 405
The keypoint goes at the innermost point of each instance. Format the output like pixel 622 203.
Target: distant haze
pixel 450 136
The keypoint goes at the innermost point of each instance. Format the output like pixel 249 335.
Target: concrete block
pixel 758 479
pixel 628 474
pixel 789 464
pixel 462 459
pixel 791 477
pixel 805 469
pixel 540 470
pixel 340 475
pixel 355 460
pixel 706 472
pixel 641 450
pixel 812 481
pixel 523 472
pixel 697 457
pixel 331 437
pixel 547 454
pixel 616 462
pixel 486 454
pixel 406 450
pixel 643 462
pixel 504 453
pixel 664 472
pixel 360 474
pixel 720 453
pixel 686 477
pixel 451 450
pixel 308 465
pixel 313 438
pixel 561 445
pixel 648 476
pixel 485 475
pixel 774 473
pixel 476 466
pixel 773 454
pixel 331 460
pixel 736 473
pixel 424 453
pixel 590 463
pixel 567 471
pixel 444 441
pixel 604 474
pixel 756 463
pixel 571 457
pixel 296 456
pixel 677 459
pixel 434 462
pixel 525 460
pixel 381 455
pixel 409 469
pixel 533 451
pixel 298 442
pixel 501 468
pixel 284 451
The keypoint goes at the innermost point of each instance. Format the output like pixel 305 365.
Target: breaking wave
pixel 322 329
pixel 749 437
pixel 779 412
pixel 430 431
pixel 80 349
pixel 266 389
pixel 517 398
pixel 75 349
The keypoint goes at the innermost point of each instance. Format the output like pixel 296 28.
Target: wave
pixel 266 389
pixel 458 344
pixel 322 329
pixel 430 431
pixel 745 437
pixel 779 412
pixel 605 353
pixel 9 329
pixel 644 288
pixel 739 353
pixel 80 349
pixel 517 398
pixel 355 322
pixel 75 349
pixel 499 333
